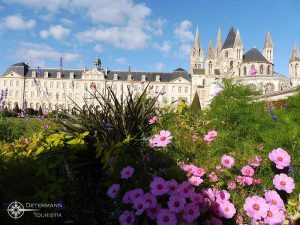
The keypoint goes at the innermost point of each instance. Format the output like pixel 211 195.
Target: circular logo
pixel 15 210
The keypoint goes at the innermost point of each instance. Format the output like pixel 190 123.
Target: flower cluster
pixel 161 140
pixel 153 120
pixel 210 136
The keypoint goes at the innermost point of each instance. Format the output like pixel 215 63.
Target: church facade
pixel 52 88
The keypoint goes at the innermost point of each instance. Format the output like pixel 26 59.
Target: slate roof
pixel 253 55
pixel 24 70
pixel 229 42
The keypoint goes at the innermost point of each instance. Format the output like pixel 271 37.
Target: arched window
pixel 226 54
pixel 296 70
pixel 245 70
pixel 261 69
pixel 252 67
pixel 210 67
pixel 269 70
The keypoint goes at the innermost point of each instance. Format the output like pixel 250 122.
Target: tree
pixel 16 108
pixel 195 106
pixel 40 111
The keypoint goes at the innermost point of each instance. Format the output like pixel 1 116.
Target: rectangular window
pixel 57 95
pixel 17 94
pixel 179 89
pixel 50 95
pixel 186 89
pixel 51 85
pixel 173 88
pixel 57 85
pixel 17 83
pixel 11 83
pixel 70 85
pixel 156 89
pixel 5 83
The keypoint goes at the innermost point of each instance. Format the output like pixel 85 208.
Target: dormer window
pixel 58 74
pixel 143 77
pixel 46 74
pixel 129 77
pixel 72 75
pixel 157 78
pixel 116 77
pixel 33 73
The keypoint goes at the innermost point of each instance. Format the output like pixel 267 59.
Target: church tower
pixel 97 63
pixel 294 65
pixel 218 48
pixel 238 53
pixel 210 60
pixel 196 53
pixel 268 48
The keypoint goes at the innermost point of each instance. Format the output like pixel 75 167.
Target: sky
pixel 149 35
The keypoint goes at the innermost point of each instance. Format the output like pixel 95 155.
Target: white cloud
pixel 159 66
pixel 156 26
pixel 122 37
pixel 39 54
pixel 16 22
pixel 184 50
pixel 165 47
pixel 67 22
pixel 120 60
pixel 182 32
pixel 50 5
pixel 98 48
pixel 57 31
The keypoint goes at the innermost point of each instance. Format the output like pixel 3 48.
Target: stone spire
pixel 238 40
pixel 196 40
pixel 219 42
pixel 268 41
pixel 295 54
pixel 210 52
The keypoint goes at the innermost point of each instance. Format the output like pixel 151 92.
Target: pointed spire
pixel 210 52
pixel 295 54
pixel 229 42
pixel 196 40
pixel 268 41
pixel 219 41
pixel 238 40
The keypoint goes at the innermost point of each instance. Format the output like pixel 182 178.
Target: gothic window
pixel 210 67
pixel 252 67
pixel 269 70
pixel 270 87
pixel 245 70
pixel 226 54
pixel 261 69
pixel 296 70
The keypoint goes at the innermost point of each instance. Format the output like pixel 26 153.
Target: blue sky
pixel 149 35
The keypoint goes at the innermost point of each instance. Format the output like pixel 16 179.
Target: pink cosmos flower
pixel 213 177
pixel 275 216
pixel 256 207
pixel 280 157
pixel 153 120
pixel 226 209
pixel 247 181
pixel 283 182
pixel 176 203
pixel 140 205
pixel 185 189
pixel 127 172
pixel 273 198
pixel 209 193
pixel 113 190
pixel 198 171
pixel 163 138
pixel 127 218
pixel 231 185
pixel 191 212
pixel 135 193
pixel 152 142
pixel 197 198
pixel 247 171
pixel 227 161
pixel 152 213
pixel 253 72
pixel 213 133
pixel 256 181
pixel 195 181
pixel 194 137
pixel 208 138
pixel 172 184
pixel 151 200
pixel 219 169
pixel 159 186
pixel 46 126
pixel 222 196
pixel 255 162
pixel 166 217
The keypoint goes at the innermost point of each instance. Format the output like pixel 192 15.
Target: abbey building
pixel 52 88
